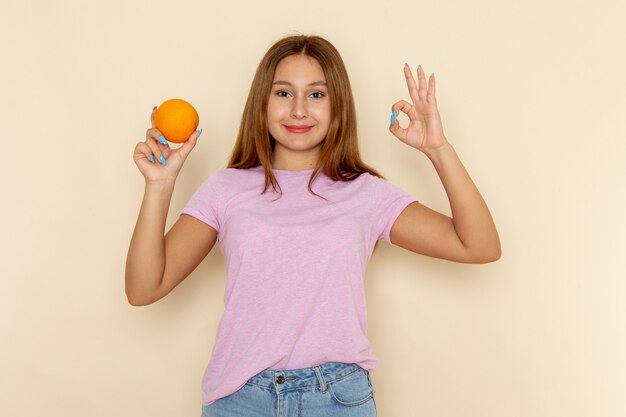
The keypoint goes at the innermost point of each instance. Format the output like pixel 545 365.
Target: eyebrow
pixel 316 83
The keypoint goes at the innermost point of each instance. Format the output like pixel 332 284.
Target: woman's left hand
pixel 425 131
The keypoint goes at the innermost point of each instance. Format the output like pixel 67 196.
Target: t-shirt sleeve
pixel 389 202
pixel 205 203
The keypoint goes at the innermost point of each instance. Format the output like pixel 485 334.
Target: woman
pixel 297 215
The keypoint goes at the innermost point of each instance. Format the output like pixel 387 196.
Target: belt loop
pixel 320 377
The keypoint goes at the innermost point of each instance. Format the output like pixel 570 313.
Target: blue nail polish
pixel 393 117
pixel 199 133
pixel 162 159
pixel 152 158
pixel 162 140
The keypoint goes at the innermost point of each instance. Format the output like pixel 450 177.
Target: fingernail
pixel 199 133
pixel 162 140
pixel 406 65
pixel 162 159
pixel 154 108
pixel 393 117
pixel 419 66
pixel 152 158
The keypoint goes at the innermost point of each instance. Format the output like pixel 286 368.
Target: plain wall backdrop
pixel 532 96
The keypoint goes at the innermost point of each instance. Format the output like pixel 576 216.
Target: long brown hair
pixel 339 155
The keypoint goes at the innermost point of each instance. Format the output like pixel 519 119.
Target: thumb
pixel 186 148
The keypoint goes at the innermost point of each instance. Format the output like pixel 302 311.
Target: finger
pixel 422 89
pixel 395 128
pixel 152 116
pixel 158 136
pixel 142 150
pixel 159 150
pixel 431 98
pixel 398 131
pixel 404 107
pixel 189 144
pixel 410 82
pixel 156 151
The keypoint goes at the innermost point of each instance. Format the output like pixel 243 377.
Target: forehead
pixel 296 67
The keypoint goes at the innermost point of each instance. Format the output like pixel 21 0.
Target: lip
pixel 298 128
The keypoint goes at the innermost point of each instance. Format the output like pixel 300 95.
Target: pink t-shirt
pixel 295 292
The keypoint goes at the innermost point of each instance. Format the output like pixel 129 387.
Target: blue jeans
pixel 329 389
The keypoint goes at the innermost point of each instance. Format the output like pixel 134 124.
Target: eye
pixel 318 94
pixel 282 93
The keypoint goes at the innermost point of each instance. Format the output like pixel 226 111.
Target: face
pixel 298 112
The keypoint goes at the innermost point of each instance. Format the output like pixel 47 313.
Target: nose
pixel 299 108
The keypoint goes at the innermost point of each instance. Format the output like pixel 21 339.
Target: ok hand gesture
pixel 425 131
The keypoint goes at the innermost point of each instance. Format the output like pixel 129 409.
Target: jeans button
pixel 280 379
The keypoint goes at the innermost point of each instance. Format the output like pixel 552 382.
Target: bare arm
pixel 470 235
pixel 156 263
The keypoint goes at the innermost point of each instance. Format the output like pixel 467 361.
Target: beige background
pixel 530 93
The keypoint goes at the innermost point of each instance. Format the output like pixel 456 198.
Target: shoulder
pixel 234 175
pixel 381 190
pixel 372 181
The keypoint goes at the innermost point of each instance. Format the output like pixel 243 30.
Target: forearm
pixel 470 215
pixel 146 255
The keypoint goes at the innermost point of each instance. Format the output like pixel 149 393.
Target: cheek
pixel 323 115
pixel 275 110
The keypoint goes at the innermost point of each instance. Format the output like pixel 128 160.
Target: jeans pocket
pixel 369 380
pixel 354 389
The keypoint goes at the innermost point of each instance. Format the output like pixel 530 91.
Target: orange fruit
pixel 176 119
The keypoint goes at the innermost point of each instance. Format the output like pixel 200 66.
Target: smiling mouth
pixel 298 129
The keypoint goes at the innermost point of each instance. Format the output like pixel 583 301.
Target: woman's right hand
pixel 155 172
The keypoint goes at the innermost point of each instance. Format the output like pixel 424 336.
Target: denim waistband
pixel 320 375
